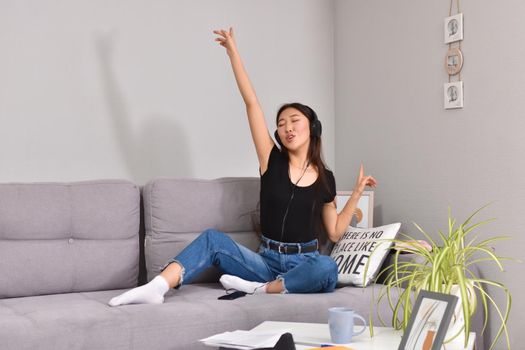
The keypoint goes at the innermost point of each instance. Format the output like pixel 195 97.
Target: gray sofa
pixel 67 248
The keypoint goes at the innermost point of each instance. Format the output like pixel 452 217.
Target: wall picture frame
pixel 453 28
pixel 364 216
pixel 429 321
pixel 454 61
pixel 453 95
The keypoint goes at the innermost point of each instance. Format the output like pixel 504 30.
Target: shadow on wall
pixel 159 147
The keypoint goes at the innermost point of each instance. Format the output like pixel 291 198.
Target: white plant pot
pixel 456 333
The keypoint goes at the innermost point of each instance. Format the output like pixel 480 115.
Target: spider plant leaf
pixel 465 304
pixel 474 226
pixel 490 253
pixel 503 318
pixel 475 213
pixel 482 293
pixel 427 236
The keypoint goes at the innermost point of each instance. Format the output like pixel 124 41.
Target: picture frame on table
pixel 429 321
pixel 364 216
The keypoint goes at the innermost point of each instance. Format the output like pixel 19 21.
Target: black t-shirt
pixel 303 220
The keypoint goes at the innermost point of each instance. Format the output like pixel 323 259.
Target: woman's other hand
pixel 227 39
pixel 363 181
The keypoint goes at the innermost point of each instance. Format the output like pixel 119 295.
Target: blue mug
pixel 341 324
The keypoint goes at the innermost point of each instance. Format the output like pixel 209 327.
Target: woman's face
pixel 293 128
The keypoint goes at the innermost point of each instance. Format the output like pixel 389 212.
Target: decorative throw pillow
pixel 355 248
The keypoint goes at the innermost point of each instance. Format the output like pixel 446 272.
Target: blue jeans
pixel 300 273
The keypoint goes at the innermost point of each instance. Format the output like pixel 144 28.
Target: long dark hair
pixel 314 150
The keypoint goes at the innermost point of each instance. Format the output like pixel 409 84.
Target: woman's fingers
pixel 222 33
pixel 364 181
pixel 370 181
pixel 361 173
pixel 225 37
pixel 367 181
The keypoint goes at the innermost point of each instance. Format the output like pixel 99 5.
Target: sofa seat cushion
pixel 84 321
pixel 63 321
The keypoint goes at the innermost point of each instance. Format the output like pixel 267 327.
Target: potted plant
pixel 445 267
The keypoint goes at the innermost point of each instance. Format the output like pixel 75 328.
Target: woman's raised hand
pixel 227 39
pixel 363 181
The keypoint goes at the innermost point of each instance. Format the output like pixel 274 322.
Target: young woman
pixel 297 198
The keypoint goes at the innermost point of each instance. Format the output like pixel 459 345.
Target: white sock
pixel 234 282
pixel 151 293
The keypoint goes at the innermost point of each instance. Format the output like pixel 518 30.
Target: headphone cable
pixel 290 200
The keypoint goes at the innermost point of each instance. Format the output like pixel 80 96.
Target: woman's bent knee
pixel 327 264
pixel 212 235
pixel 330 271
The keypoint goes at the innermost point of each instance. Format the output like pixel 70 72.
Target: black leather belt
pixel 290 249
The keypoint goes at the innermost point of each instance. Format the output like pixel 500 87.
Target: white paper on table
pixel 244 339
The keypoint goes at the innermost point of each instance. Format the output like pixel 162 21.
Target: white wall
pixel 138 89
pixel 389 114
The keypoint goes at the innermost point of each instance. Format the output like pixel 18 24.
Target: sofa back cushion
pixel 68 237
pixel 176 211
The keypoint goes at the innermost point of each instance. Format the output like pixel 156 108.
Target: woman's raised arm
pixel 260 134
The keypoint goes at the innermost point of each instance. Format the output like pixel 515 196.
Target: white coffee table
pixel 308 335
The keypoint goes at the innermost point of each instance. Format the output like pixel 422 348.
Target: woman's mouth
pixel 290 137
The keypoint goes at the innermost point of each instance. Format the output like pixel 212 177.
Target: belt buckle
pixel 299 248
pixel 279 249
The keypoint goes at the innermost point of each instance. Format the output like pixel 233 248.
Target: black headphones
pixel 316 129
